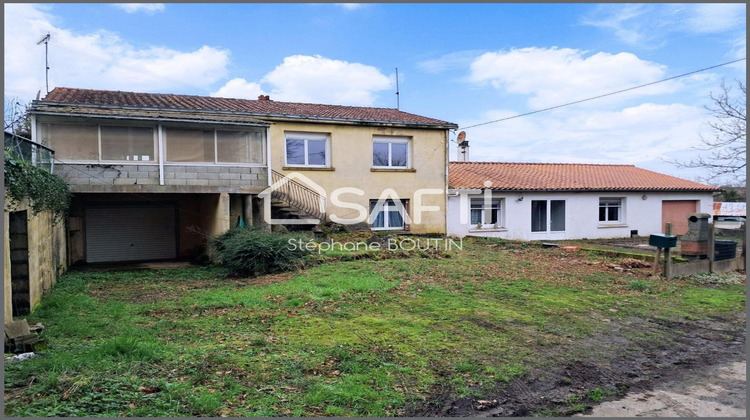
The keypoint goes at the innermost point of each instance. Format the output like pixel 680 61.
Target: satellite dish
pixel 461 136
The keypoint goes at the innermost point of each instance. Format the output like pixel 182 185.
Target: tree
pixel 16 118
pixel 723 154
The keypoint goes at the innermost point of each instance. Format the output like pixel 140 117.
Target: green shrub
pixel 249 251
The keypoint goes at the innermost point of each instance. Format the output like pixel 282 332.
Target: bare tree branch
pixel 724 154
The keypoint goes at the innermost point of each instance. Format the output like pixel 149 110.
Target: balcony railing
pixel 37 154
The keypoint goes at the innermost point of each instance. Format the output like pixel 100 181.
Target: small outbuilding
pixel 556 201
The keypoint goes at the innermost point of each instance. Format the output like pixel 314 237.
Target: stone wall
pixel 47 256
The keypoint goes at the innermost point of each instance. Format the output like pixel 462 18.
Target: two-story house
pixel 153 174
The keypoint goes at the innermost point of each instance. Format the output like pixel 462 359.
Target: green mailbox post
pixel 663 241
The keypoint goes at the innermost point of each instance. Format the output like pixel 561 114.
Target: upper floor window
pixel 610 210
pixel 214 146
pixel 390 152
pixel 91 142
pixel 307 149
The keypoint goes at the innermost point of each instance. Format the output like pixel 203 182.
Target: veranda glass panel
pixel 72 142
pixel 239 147
pixel 128 143
pixel 185 145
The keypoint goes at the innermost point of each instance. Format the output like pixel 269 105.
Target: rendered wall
pixel 581 215
pixel 351 166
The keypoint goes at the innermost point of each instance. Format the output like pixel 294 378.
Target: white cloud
pixel 99 60
pixel 715 18
pixel 149 8
pixel 239 88
pixel 350 6
pixel 633 135
pixel 302 78
pixel 553 76
pixel 452 61
pixel 647 24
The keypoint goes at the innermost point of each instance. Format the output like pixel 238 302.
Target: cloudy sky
pixel 466 64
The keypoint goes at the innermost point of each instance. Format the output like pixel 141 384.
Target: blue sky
pixel 464 63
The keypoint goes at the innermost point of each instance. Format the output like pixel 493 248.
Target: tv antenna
pixel 46 58
pixel 398 98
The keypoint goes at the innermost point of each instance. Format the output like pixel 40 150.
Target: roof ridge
pixel 185 95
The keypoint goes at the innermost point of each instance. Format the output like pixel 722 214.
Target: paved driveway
pixel 718 391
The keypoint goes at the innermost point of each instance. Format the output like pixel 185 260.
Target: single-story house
pixel 554 201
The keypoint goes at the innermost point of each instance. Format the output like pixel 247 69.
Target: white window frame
pixel 305 137
pixel 216 148
pixel 496 205
pixel 385 207
pixel 548 215
pixel 390 141
pixel 621 212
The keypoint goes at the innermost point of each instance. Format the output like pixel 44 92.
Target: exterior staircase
pixel 293 200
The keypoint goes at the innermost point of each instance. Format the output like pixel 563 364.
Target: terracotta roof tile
pixel 565 177
pixel 260 108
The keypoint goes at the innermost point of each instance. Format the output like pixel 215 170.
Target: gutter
pixel 119 117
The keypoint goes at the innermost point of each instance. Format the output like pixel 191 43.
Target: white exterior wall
pixel 581 214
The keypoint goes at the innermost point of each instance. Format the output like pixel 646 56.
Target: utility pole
pixel 46 58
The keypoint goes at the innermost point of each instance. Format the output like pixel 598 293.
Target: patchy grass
pixel 368 337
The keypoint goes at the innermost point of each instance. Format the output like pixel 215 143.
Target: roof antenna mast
pixel 398 98
pixel 46 58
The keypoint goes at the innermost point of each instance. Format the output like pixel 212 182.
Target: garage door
pixel 130 233
pixel 676 212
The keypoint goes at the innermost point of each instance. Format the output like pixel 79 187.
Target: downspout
pixel 268 154
pixel 160 140
pixel 447 179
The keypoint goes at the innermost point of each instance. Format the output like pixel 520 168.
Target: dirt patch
pixel 630 356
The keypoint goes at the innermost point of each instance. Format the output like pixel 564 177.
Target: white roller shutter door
pixel 130 233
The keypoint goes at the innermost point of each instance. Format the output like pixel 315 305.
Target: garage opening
pixel 19 263
pixel 131 233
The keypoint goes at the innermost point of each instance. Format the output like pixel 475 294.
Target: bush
pixel 250 251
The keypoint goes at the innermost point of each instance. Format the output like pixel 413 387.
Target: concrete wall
pixel 351 166
pixel 177 178
pixel 581 215
pixel 47 254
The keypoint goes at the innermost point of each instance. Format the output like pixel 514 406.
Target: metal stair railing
pixel 298 196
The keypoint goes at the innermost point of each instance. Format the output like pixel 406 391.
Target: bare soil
pixel 632 356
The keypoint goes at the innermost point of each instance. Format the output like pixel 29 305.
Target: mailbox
pixel 662 241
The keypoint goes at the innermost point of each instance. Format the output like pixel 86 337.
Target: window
pixel 388 215
pixel 390 152
pixel 307 149
pixel 127 143
pixel 610 210
pixel 72 142
pixel 483 214
pixel 541 218
pixel 214 146
pixel 100 143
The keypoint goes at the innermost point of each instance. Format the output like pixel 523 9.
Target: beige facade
pixel 350 164
pixel 46 255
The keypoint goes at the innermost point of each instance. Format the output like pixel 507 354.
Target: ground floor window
pixel 486 213
pixel 388 214
pixel 610 210
pixel 547 215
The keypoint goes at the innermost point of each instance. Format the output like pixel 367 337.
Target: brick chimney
pixel 264 98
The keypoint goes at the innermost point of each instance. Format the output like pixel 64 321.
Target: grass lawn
pixel 357 338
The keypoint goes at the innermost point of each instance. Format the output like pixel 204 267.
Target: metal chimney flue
pixel 463 147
